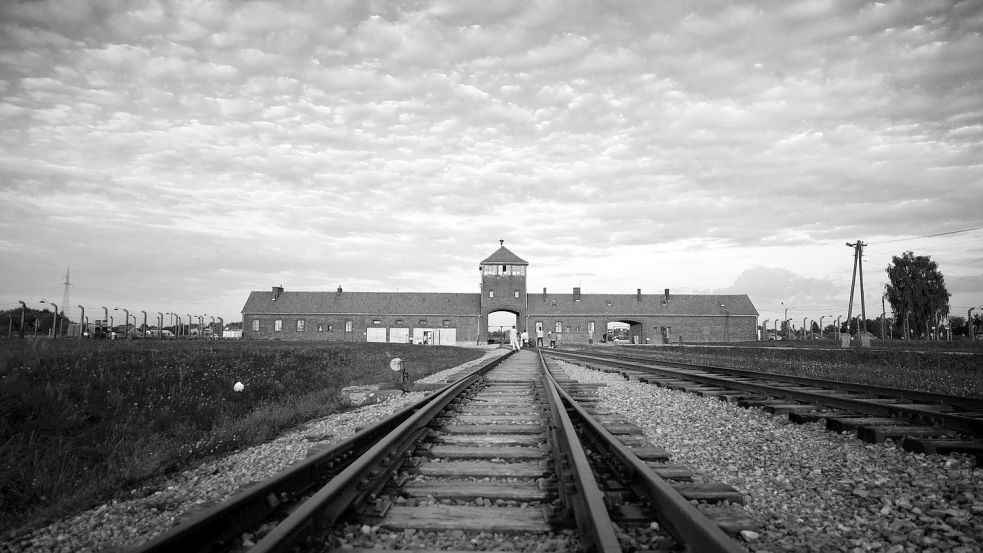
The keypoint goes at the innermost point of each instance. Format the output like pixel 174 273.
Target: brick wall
pixel 688 329
pixel 332 326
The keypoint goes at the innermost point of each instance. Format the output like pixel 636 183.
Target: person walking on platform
pixel 552 340
pixel 514 338
pixel 525 338
pixel 539 335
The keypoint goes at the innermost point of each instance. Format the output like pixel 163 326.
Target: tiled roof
pixel 650 304
pixel 503 255
pixel 421 303
pixel 377 303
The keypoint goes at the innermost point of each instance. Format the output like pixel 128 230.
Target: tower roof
pixel 503 256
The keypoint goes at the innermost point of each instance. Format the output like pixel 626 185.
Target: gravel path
pixel 809 489
pixel 130 522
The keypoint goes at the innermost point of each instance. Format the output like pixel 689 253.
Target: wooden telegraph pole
pixel 858 253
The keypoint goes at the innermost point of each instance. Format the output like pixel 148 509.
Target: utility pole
pixel 883 318
pixel 858 252
pixel 863 303
pixel 64 300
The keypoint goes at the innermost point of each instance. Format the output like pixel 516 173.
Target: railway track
pixel 513 451
pixel 922 422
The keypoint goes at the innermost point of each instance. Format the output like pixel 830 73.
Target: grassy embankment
pixel 81 422
pixel 929 368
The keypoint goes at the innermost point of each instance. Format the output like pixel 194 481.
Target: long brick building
pixel 462 318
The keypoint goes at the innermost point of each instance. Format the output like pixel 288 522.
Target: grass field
pixel 912 365
pixel 83 421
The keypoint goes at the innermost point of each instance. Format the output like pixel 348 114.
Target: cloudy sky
pixel 175 155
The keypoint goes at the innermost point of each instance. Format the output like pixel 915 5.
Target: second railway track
pixel 512 452
pixel 920 421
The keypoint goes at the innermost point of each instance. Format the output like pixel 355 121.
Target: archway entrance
pixel 499 324
pixel 625 332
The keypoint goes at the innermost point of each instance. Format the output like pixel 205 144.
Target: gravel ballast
pixel 808 489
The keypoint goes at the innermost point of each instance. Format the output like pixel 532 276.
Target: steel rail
pixel 228 519
pixel 212 529
pixel 962 402
pixel 586 498
pixel 682 519
pixel 325 507
pixel 970 425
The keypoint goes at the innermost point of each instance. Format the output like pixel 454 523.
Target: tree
pixel 917 293
pixel 959 327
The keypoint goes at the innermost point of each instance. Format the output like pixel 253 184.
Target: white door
pixel 399 335
pixel 373 334
pixel 423 336
pixel 447 336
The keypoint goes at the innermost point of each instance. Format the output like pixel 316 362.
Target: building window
pixel 300 325
pixel 400 322
pixel 447 322
pixel 320 328
pixel 516 293
pixel 422 322
pixel 376 321
pixel 255 325
pixel 558 327
pixel 278 325
pixel 348 326
pixel 491 293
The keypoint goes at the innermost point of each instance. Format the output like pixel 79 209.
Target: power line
pixel 930 235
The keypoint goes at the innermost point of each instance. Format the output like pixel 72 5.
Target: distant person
pixel 539 336
pixel 525 338
pixel 514 338
pixel 552 340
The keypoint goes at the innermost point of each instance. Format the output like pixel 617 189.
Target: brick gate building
pixel 462 318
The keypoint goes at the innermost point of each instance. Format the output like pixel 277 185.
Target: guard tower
pixel 503 288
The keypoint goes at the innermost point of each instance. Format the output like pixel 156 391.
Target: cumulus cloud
pixel 639 137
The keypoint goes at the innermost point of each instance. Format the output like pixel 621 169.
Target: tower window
pixel 516 293
pixel 491 293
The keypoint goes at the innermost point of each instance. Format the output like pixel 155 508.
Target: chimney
pixel 544 293
pixel 277 290
pixel 638 295
pixel 339 288
pixel 576 294
pixel 666 301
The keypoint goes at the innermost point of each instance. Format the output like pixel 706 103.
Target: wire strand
pixel 930 235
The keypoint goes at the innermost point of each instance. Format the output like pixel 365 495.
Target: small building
pixel 462 318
